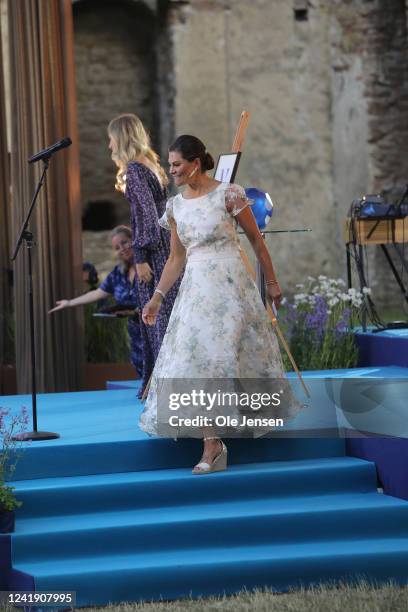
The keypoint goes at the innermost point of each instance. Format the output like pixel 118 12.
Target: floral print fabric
pixel 218 327
pixel 151 244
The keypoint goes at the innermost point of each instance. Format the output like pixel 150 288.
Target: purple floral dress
pixel 151 244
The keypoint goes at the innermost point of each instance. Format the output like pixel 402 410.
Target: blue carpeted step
pixel 207 571
pixel 280 520
pixel 58 459
pixel 117 516
pixel 77 494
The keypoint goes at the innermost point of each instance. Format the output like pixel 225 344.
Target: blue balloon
pixel 262 205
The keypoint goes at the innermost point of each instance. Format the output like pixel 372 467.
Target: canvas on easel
pixel 227 167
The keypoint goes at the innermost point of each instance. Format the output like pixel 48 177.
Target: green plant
pixel 106 340
pixel 10 425
pixel 7 498
pixel 319 323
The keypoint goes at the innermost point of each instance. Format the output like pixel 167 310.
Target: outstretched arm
pixel 85 298
pixel 247 221
pixel 171 272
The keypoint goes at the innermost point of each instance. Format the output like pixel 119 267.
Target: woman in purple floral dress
pixel 143 181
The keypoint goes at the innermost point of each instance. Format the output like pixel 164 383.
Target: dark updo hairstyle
pixel 192 148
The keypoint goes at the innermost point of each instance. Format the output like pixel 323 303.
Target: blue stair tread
pixel 102 457
pixel 216 556
pixel 209 511
pixel 295 466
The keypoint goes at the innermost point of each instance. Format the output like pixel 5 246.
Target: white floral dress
pixel 218 327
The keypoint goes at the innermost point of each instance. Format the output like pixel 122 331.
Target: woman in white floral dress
pixel 218 327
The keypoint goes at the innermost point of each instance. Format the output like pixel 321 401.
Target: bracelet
pixel 272 282
pixel 160 292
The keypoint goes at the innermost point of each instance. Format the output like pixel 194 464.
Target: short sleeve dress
pixel 218 327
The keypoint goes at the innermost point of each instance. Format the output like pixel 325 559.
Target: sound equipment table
pixel 387 231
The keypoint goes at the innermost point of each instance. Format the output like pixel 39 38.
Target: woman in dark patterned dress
pixel 143 181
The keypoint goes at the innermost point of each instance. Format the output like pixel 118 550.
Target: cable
pixel 369 305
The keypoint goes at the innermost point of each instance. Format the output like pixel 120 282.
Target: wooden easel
pixel 237 147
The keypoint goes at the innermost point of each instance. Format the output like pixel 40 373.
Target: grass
pixel 361 597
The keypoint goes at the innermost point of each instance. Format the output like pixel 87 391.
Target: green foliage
pixel 106 340
pixel 319 323
pixel 8 501
pixel 10 425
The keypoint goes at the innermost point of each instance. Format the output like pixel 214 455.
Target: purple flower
pixel 317 319
pixel 343 324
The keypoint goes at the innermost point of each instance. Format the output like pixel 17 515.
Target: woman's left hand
pixel 144 272
pixel 275 294
pixel 151 310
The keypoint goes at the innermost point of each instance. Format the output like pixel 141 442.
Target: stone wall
pixel 256 56
pixel 327 97
pixel 369 88
pixel 115 66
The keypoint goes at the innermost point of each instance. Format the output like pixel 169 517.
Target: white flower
pixel 299 286
pixel 283 301
pixel 333 301
pixel 357 302
pixel 311 279
pixel 340 281
pixel 299 297
pixel 321 277
pixel 344 297
pixel 366 290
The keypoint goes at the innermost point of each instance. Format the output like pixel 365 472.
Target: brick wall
pixel 116 73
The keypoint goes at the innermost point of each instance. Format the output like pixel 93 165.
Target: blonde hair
pixel 132 143
pixel 121 229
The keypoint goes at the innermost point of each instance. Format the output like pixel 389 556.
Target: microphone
pixel 46 153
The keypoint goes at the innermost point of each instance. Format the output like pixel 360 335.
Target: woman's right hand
pixel 275 294
pixel 61 304
pixel 144 272
pixel 151 310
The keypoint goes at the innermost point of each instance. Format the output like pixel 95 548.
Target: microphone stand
pixel 28 238
pixel 398 209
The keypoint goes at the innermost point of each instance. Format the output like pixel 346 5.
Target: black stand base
pixel 36 435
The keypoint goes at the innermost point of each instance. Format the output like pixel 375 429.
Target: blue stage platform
pixel 385 348
pixel 118 516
